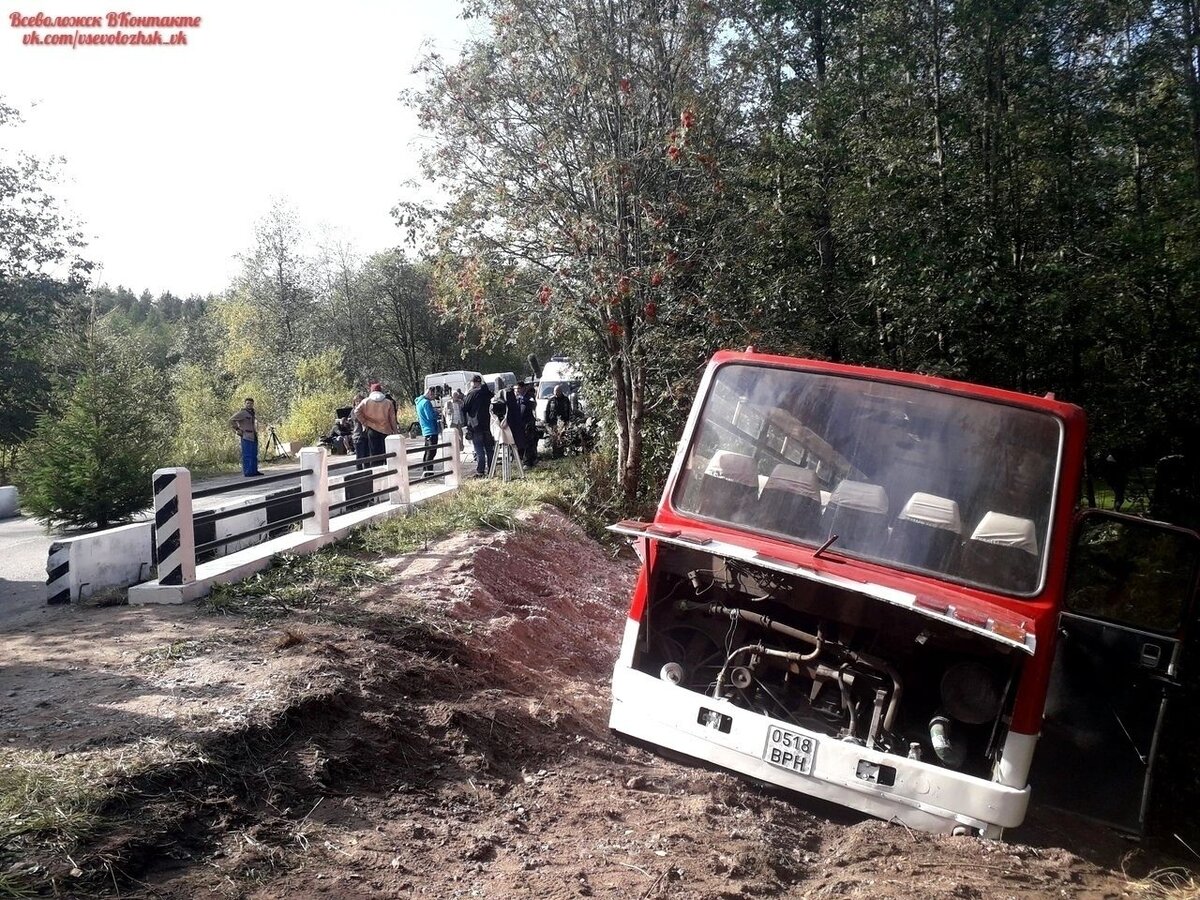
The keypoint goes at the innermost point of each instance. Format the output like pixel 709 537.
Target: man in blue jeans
pixel 246 428
pixel 431 428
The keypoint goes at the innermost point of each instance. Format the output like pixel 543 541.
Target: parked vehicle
pixel 510 378
pixel 457 380
pixel 853 589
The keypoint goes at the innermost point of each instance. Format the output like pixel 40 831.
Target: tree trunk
pixel 824 216
pixel 1192 80
pixel 631 478
pixel 616 369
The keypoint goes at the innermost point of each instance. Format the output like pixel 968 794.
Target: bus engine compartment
pixel 828 660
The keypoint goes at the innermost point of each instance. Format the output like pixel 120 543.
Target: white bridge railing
pixel 330 504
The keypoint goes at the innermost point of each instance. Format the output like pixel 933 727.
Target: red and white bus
pixel 854 588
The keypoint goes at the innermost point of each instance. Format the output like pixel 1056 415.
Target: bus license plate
pixel 789 750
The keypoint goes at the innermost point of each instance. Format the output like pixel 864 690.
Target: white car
pixel 510 378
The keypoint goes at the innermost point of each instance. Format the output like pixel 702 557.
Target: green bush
pixel 203 439
pixel 406 413
pixel 312 416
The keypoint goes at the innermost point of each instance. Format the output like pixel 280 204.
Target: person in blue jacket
pixel 431 428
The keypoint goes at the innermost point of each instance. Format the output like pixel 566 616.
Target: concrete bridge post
pixel 174 537
pixel 397 444
pixel 314 461
pixel 456 468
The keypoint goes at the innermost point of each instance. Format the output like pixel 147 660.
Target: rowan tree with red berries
pixel 584 194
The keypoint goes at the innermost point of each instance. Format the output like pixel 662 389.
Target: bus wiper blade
pixel 824 546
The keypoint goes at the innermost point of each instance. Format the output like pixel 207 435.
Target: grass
pixel 47 796
pixel 480 504
pixel 161 658
pixel 1134 503
pixel 11 886
pixel 326 584
pixel 317 583
pixel 1171 884
pixel 50 803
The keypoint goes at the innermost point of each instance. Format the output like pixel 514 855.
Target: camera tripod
pixel 274 443
pixel 506 459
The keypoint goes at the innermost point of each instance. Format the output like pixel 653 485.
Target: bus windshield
pixel 953 486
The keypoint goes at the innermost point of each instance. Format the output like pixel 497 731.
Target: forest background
pixel 1004 191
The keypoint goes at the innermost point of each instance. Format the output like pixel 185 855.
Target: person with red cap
pixel 378 417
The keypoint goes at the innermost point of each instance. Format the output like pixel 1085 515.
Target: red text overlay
pixel 113 29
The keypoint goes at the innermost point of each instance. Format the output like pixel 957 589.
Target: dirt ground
pixel 449 739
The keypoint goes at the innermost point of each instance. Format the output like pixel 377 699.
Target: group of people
pixel 488 418
pixel 496 417
pixel 483 416
pixel 362 427
pixel 374 418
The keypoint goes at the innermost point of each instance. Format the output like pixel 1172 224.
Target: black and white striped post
pixel 58 574
pixel 174 538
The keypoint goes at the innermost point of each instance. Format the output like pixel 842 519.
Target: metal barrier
pixel 428 464
pixel 175 525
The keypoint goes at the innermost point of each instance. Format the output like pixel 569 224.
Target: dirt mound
pixel 446 738
pixel 551 602
pixel 539 609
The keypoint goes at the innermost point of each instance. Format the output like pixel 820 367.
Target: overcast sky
pixel 173 152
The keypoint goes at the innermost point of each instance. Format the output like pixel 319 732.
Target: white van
pixel 510 378
pixel 444 383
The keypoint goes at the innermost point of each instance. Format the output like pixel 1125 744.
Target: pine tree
pixel 90 460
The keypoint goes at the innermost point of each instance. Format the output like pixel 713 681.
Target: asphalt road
pixel 24 545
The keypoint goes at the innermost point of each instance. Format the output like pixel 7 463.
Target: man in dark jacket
pixel 558 418
pixel 515 399
pixel 529 414
pixel 476 410
pixel 558 408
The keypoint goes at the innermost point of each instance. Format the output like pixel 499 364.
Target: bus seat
pixel 730 488
pixel 926 533
pixel 1003 551
pixel 857 514
pixel 790 502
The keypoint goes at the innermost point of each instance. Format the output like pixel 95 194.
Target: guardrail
pixel 175 547
pixel 429 464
